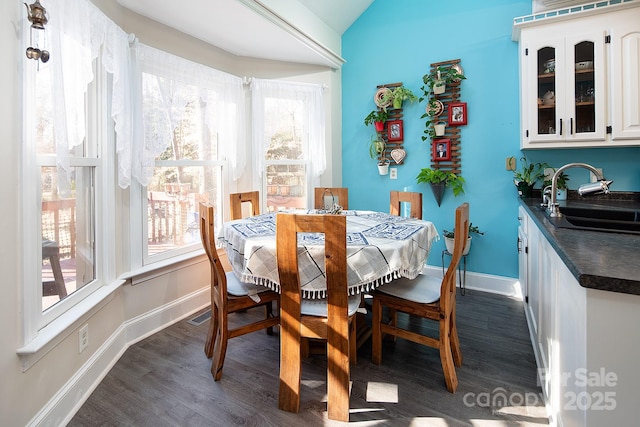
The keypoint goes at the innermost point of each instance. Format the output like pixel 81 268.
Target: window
pixel 191 114
pixel 68 188
pixel 288 142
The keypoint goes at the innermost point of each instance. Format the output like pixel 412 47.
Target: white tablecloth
pixel 380 247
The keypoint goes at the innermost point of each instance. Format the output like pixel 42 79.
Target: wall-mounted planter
pixel 379 126
pixel 439 128
pixel 438 191
pixel 383 168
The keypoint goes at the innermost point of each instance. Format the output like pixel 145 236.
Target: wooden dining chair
pixel 339 195
pixel 430 298
pixel 396 198
pixel 229 295
pixel 331 319
pixel 236 201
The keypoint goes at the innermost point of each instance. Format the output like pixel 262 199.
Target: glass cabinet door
pixel 584 88
pixel 546 89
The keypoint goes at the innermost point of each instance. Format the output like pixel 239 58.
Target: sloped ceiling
pixel 249 28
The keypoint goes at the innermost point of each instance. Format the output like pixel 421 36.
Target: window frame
pixel 100 130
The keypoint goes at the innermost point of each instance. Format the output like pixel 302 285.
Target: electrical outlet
pixel 592 176
pixel 393 173
pixel 511 163
pixel 83 338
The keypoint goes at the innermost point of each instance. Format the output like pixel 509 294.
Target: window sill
pixel 54 333
pixel 151 271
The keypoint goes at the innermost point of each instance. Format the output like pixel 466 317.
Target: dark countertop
pixel 598 260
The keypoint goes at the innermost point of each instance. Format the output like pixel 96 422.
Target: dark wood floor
pixel 165 380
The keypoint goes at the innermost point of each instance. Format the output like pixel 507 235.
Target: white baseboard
pixel 68 400
pixel 483 282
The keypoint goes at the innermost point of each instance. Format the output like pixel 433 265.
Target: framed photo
pixel 394 130
pixel 457 113
pixel 441 150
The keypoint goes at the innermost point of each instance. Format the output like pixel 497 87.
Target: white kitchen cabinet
pixel 579 78
pixel 625 77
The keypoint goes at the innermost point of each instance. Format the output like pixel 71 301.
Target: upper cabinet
pixel 579 78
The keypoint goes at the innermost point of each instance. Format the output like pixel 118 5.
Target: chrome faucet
pixel 600 186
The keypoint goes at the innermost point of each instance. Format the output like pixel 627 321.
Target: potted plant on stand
pixel 439 180
pixel 377 118
pixel 449 236
pixel 528 175
pixel 376 151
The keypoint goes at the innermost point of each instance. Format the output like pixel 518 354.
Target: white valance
pixel 78 32
pixel 221 93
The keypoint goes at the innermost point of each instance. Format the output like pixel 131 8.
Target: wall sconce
pixel 37 15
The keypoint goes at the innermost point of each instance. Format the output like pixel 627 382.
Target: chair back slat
pixel 340 197
pixel 461 233
pixel 207 236
pixel 237 199
pixel 396 198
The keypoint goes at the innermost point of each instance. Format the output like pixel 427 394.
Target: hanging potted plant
pixel 397 95
pixel 436 81
pixel 376 152
pixel 377 118
pixel 439 180
pixel 450 235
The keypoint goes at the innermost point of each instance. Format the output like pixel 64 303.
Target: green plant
pixel 529 173
pixel 375 116
pixel 376 148
pixel 472 229
pixel 429 131
pixel 398 95
pixel 438 77
pixel 438 176
pixel 561 182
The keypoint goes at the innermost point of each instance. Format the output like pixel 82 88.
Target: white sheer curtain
pixel 78 32
pixel 312 96
pixel 222 94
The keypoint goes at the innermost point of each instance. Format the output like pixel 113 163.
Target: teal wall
pixel 396 41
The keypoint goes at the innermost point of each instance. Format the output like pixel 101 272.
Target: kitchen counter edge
pixel 598 260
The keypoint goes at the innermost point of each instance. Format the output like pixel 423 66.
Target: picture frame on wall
pixel 394 130
pixel 457 113
pixel 441 150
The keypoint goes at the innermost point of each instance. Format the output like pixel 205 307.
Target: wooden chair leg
pixel 290 367
pixel 455 342
pixel 220 345
pixel 353 341
pixel 446 357
pixel 269 314
pixel 338 376
pixel 376 334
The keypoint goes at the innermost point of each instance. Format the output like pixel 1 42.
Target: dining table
pixel 380 247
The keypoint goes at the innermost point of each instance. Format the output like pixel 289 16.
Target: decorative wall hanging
pixel 37 15
pixel 386 145
pixel 457 113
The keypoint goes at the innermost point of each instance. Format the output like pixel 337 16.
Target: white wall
pixel 56 385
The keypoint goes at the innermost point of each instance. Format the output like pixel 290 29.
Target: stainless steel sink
pixel 599 217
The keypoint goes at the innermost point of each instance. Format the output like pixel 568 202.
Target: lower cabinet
pixel 555 306
pixel 585 341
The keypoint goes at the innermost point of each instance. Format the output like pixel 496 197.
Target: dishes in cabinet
pixel 584 65
pixel 549 66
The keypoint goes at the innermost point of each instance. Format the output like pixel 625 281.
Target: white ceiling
pixel 236 28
